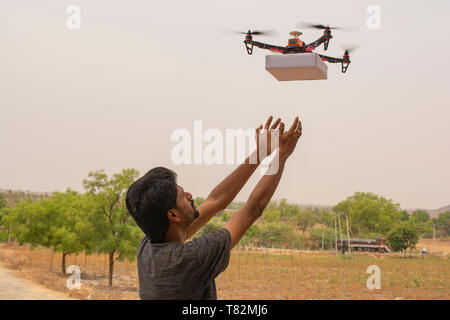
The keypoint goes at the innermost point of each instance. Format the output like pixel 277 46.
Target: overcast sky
pixel 108 96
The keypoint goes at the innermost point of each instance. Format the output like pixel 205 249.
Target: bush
pixel 277 235
pixel 3 235
pixel 403 236
pixel 251 236
pixel 328 237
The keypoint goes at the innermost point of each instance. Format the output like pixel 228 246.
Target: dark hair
pixel 148 200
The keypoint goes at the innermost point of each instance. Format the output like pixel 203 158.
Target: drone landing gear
pixel 249 48
pixel 345 66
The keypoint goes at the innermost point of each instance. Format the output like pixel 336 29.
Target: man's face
pixel 185 204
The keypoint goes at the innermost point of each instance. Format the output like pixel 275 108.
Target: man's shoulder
pixel 147 245
pixel 221 236
pixel 142 245
pixel 222 233
pixel 190 252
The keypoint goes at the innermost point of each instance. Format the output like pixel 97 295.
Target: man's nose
pixel 189 196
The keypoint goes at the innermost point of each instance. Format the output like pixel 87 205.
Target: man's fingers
pixel 258 131
pixel 275 124
pixel 299 128
pixel 268 123
pixel 293 126
pixel 281 128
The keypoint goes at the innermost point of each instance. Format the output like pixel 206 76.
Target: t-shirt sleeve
pixel 212 253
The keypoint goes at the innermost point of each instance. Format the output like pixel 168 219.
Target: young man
pixel 168 266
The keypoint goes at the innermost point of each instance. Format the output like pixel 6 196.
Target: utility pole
pixel 348 235
pixel 323 230
pixel 335 234
pixel 434 237
pixel 340 230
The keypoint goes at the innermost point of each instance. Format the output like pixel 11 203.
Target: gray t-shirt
pixel 186 271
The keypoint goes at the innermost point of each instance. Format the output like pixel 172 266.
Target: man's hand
pixel 289 139
pixel 239 223
pixel 222 195
pixel 264 138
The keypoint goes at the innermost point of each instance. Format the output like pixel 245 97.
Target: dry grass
pixel 255 274
pixel 437 246
pixel 315 275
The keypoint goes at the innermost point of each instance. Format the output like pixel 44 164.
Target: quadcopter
pixel 296 45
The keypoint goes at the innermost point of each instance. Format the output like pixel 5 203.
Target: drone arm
pixel 266 46
pixel 344 62
pixel 318 42
pixel 331 59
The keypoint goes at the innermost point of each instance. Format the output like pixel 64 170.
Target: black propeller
pixel 350 48
pixel 268 33
pixel 308 25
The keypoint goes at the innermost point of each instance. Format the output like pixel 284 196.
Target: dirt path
pixel 13 287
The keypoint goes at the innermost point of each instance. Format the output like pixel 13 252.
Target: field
pixel 261 274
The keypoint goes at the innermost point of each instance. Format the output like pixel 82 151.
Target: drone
pixel 296 45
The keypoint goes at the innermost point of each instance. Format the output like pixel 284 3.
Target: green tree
pixel 3 203
pixel 213 225
pixel 68 228
pixel 403 236
pixel 271 215
pixel 326 218
pixel 251 236
pixel 420 216
pixel 369 213
pixel 225 216
pixel 304 220
pixel 6 234
pixel 327 234
pixel 275 234
pixel 443 223
pixel 422 220
pixel 8 222
pixel 404 215
pixel 116 233
pixel 29 222
pixel 51 223
pixel 286 210
pixel 3 212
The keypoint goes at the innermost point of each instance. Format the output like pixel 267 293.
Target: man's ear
pixel 173 215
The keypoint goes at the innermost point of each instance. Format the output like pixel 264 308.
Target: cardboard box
pixel 296 66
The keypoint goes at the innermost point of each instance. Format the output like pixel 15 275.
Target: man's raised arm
pixel 239 223
pixel 225 192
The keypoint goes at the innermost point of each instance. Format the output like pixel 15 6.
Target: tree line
pixel 97 221
pixel 367 215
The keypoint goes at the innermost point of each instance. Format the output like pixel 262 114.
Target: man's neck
pixel 177 236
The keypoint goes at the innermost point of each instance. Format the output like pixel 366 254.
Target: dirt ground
pixel 14 287
pixel 259 274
